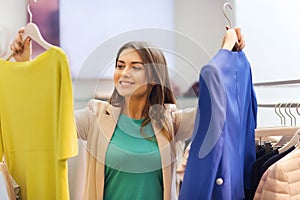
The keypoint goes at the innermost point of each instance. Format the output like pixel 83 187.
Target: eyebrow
pixel 134 62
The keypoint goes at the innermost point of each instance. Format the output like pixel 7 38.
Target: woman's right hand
pixel 22 52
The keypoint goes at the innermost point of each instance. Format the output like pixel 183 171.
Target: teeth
pixel 125 83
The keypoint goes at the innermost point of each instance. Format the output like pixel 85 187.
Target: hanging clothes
pixel 256 172
pixel 261 165
pixel 37 126
pixel 282 179
pixel 223 145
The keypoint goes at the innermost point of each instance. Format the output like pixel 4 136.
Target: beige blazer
pixel 96 124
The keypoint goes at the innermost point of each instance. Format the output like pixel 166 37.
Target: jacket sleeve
pixel 206 147
pixel 85 119
pixel 184 123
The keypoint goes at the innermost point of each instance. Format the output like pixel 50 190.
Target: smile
pixel 126 83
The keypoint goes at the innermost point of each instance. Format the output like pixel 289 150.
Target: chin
pixel 125 94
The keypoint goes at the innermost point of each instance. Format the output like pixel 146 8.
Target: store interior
pixel 190 33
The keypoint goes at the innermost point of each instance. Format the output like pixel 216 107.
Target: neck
pixel 133 108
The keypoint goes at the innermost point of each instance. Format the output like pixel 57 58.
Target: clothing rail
pixel 276 83
pixel 280 105
pixel 284 111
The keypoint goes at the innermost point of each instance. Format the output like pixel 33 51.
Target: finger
pixel 238 33
pixel 242 46
pixel 20 33
pixel 12 48
pixel 28 40
pixel 242 42
pixel 21 30
pixel 15 47
pixel 27 43
pixel 18 39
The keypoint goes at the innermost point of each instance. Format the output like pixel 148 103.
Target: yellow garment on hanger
pixel 37 128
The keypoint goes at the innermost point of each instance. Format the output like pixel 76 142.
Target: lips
pixel 126 83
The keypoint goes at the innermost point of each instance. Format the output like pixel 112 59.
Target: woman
pixel 131 138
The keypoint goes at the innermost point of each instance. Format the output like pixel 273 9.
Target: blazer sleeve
pixel 184 121
pixel 85 119
pixel 206 147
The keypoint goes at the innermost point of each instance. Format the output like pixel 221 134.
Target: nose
pixel 126 71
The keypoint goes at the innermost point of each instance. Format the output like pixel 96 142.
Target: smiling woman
pixel 141 77
pixel 139 124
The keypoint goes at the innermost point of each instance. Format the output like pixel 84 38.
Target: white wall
pixel 271 29
pixel 190 33
pixel 103 26
pixel 202 25
pixel 12 17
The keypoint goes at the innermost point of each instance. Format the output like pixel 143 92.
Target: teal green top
pixel 133 165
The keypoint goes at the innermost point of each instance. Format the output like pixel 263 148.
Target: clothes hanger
pixel 31 30
pixel 282 130
pixel 286 138
pixel 297 109
pixel 294 141
pixel 230 39
pixel 227 4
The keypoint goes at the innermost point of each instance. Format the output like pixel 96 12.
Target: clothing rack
pixel 280 105
pixel 277 83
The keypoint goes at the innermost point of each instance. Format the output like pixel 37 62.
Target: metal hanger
pixel 288 113
pixel 227 4
pixel 278 113
pixel 230 39
pixel 281 130
pixel 283 117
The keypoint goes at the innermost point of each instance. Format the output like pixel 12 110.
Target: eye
pixel 137 68
pixel 118 66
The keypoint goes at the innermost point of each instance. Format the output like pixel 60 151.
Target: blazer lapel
pixel 108 124
pixel 166 159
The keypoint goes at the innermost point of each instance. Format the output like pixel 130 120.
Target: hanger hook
pixel 290 110
pixel 285 107
pixel 291 114
pixel 29 11
pixel 225 14
pixel 280 106
pixel 297 109
pixel 277 106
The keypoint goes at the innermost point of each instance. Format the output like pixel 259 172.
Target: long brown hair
pixel 159 90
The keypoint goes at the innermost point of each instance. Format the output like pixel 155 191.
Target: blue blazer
pixel 223 145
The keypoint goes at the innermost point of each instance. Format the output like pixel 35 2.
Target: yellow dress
pixel 37 128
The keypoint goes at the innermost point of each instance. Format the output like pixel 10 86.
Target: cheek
pixel 142 78
pixel 116 77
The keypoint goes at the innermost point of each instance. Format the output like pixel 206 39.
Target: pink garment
pixel 282 179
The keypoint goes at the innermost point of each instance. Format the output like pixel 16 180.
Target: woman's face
pixel 130 75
